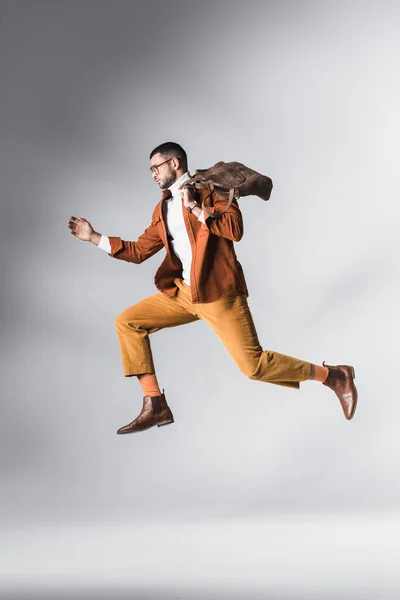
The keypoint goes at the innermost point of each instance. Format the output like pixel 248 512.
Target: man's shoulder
pixel 211 197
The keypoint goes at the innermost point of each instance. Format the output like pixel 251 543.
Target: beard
pixel 168 179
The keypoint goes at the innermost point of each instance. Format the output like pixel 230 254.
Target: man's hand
pixel 187 195
pixel 82 229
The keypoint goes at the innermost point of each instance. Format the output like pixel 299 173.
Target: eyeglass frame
pixel 154 168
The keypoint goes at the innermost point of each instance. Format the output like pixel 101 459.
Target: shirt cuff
pixel 104 244
pixel 201 217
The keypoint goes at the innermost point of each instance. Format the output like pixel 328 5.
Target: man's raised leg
pixel 231 319
pixel 134 325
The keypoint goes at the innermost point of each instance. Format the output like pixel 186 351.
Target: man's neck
pixel 173 186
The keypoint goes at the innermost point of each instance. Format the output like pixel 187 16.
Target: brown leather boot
pixel 155 411
pixel 340 380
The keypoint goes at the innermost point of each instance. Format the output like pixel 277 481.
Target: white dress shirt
pixel 176 227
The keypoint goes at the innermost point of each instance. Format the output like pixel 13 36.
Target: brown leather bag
pixel 230 180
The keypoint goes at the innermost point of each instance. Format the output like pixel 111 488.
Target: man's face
pixel 165 174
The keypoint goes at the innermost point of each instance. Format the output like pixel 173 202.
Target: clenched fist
pixel 187 196
pixel 81 228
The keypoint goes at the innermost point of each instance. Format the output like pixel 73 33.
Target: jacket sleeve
pixel 230 224
pixel 147 244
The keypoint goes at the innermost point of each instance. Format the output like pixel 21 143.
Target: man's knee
pixel 125 319
pixel 250 370
pixel 253 369
pixel 253 374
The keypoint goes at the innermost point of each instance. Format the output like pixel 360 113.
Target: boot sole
pixel 165 423
pixel 353 375
pixel 354 410
pixel 140 430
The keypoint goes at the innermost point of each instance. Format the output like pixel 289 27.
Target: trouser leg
pixel 231 319
pixel 135 324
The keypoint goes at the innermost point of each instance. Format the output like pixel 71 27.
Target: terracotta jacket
pixel 215 270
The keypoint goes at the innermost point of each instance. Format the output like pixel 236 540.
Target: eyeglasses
pixel 154 168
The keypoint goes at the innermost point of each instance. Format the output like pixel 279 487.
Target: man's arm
pixel 147 244
pixel 229 225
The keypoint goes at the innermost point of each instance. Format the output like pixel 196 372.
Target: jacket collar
pixel 166 194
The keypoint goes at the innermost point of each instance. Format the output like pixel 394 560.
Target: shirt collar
pixel 174 187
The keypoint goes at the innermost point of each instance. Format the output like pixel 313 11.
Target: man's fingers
pixel 76 222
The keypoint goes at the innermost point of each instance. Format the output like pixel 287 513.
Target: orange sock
pixel 320 373
pixel 149 384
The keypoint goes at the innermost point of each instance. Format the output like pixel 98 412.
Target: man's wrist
pixel 195 209
pixel 95 238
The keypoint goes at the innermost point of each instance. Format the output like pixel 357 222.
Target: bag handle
pixel 210 185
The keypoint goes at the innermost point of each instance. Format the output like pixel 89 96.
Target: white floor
pixel 326 557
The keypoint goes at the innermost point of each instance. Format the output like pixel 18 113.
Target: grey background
pixel 255 489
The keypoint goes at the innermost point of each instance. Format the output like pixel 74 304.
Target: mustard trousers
pixel 229 317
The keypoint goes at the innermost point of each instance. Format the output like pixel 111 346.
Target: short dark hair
pixel 170 149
